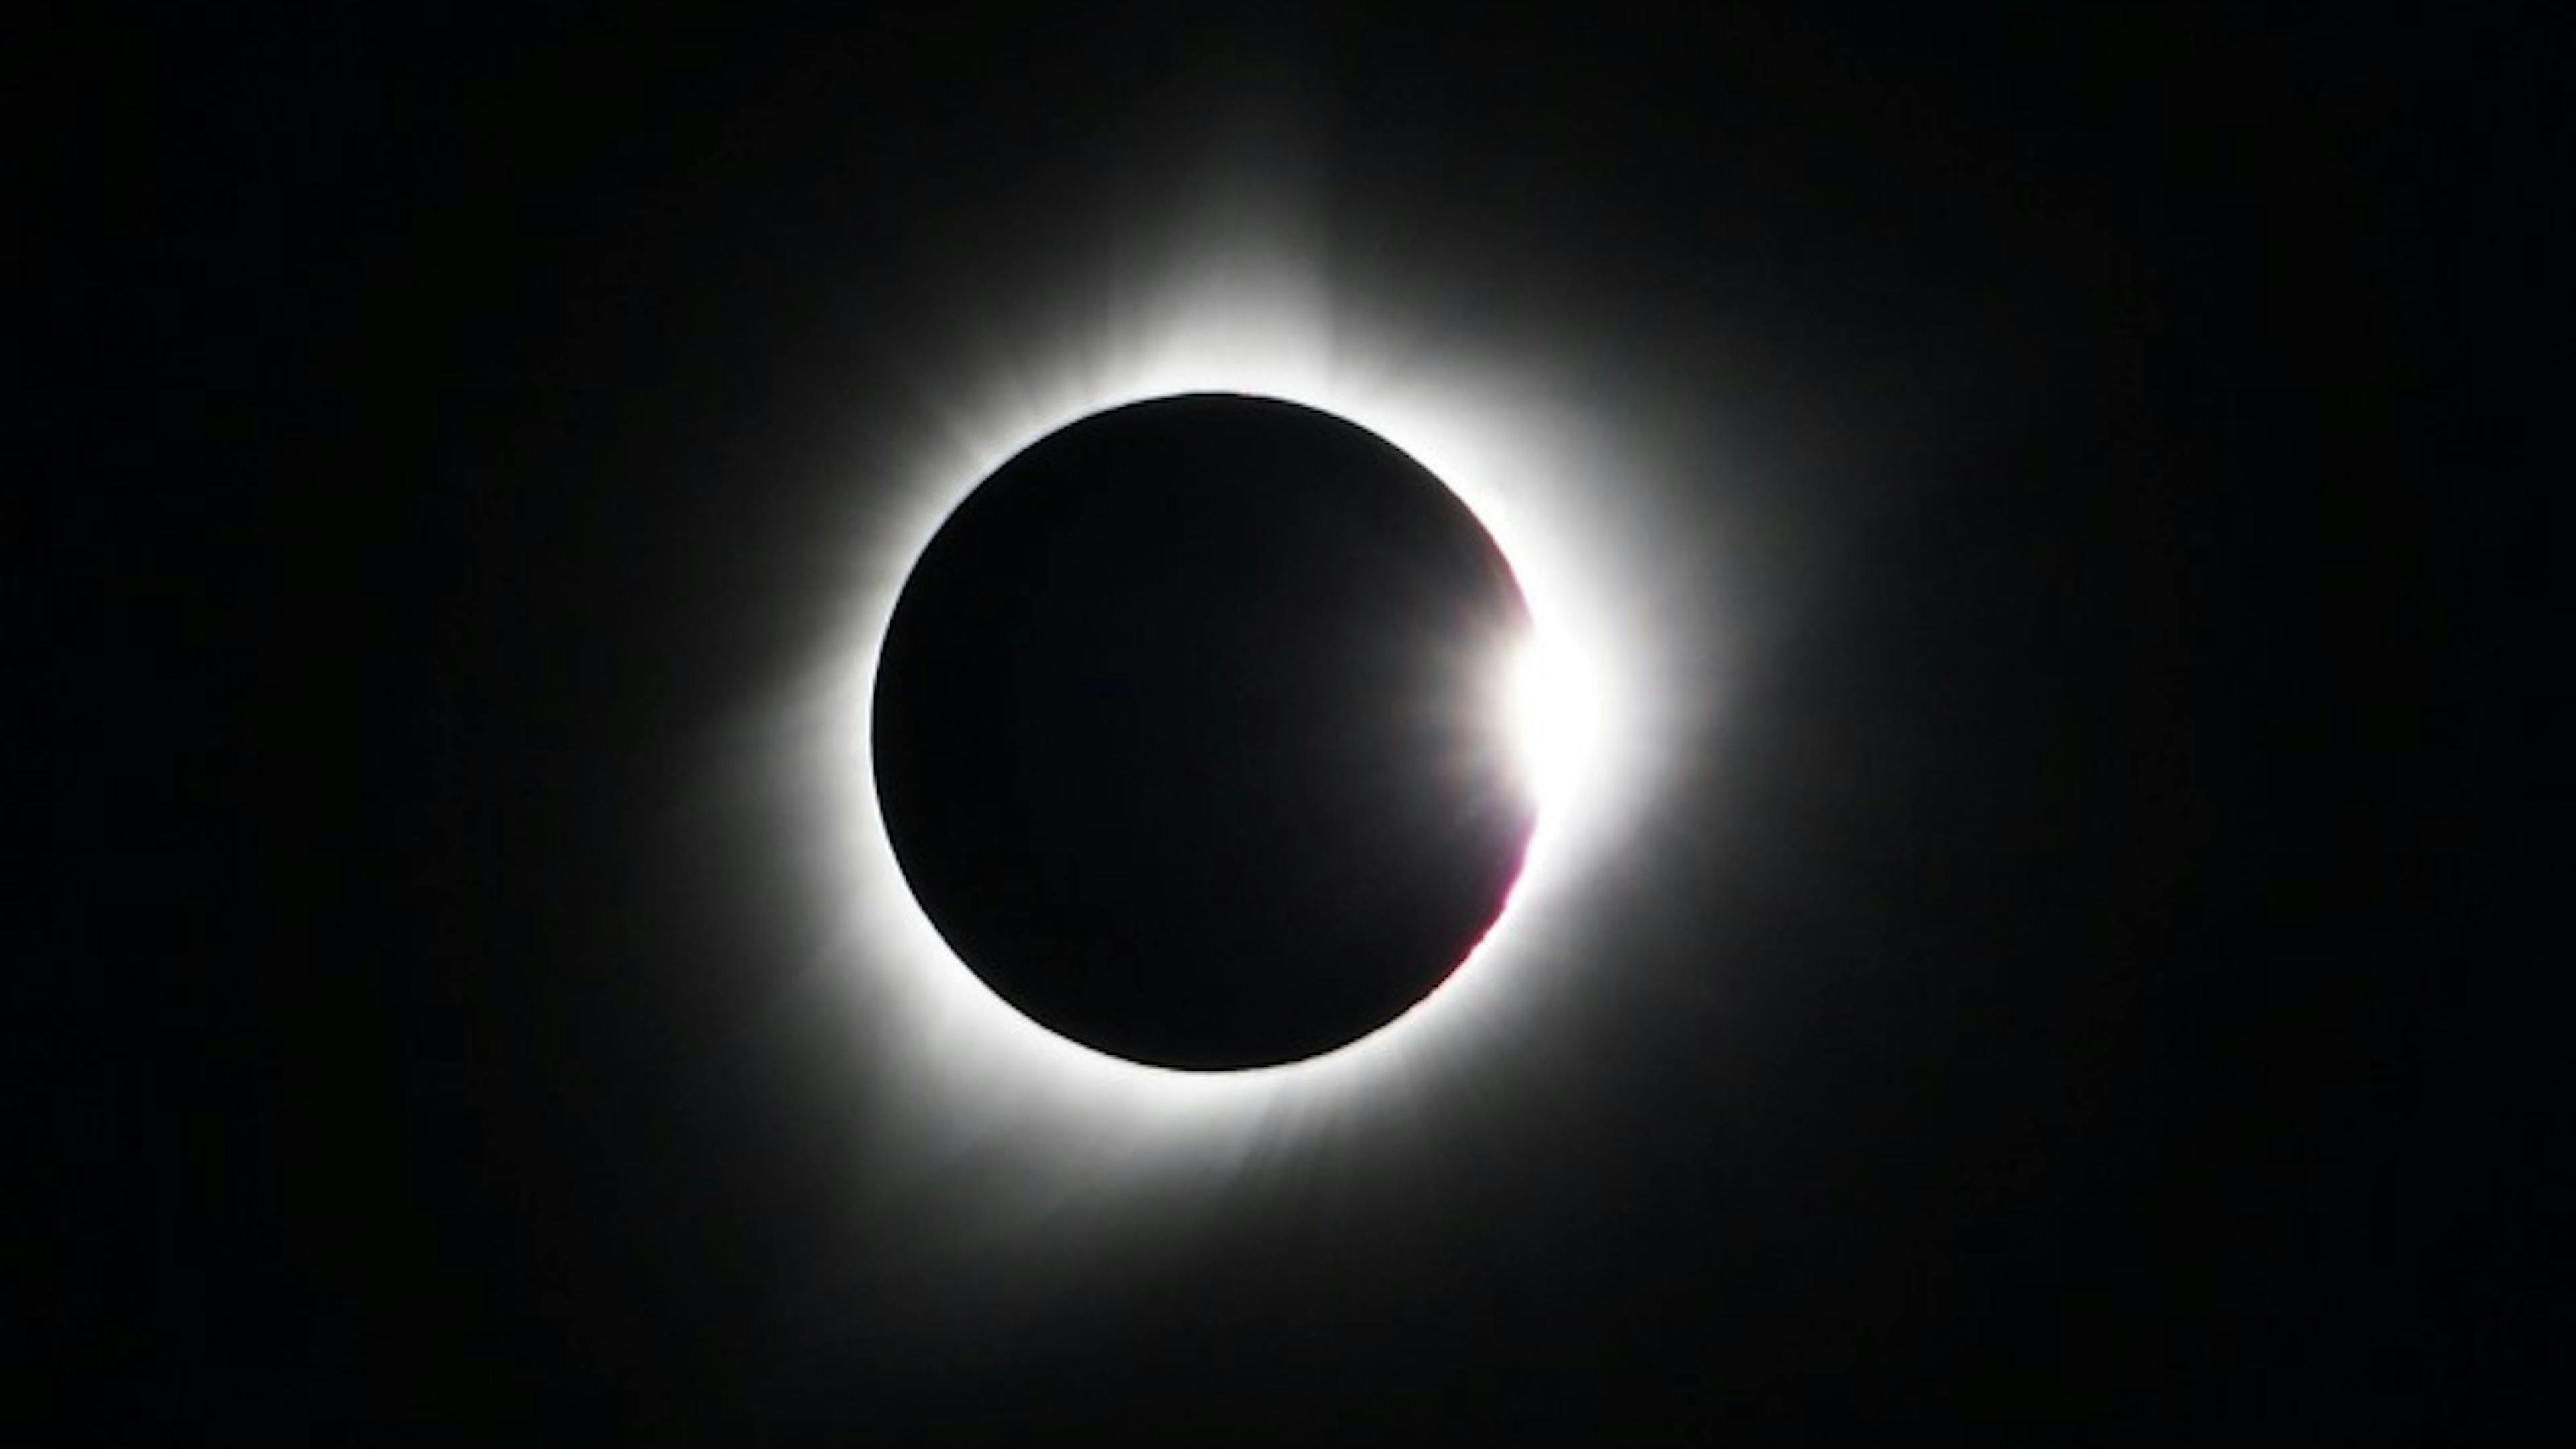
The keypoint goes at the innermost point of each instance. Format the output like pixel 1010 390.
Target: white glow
pixel 1559 716
pixel 954 1070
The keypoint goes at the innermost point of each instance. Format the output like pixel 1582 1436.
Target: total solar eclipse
pixel 1193 732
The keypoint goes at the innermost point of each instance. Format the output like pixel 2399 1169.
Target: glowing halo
pixel 951 1061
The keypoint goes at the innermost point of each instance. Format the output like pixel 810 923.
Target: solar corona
pixel 1535 686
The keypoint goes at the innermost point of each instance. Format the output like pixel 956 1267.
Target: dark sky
pixel 2036 989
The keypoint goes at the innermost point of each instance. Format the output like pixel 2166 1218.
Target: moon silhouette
pixel 1187 736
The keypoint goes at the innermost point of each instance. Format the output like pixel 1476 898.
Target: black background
pixel 2048 993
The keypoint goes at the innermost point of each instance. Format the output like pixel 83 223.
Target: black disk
pixel 1185 732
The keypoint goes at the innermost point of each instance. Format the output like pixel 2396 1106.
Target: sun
pixel 947 1059
pixel 1556 715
